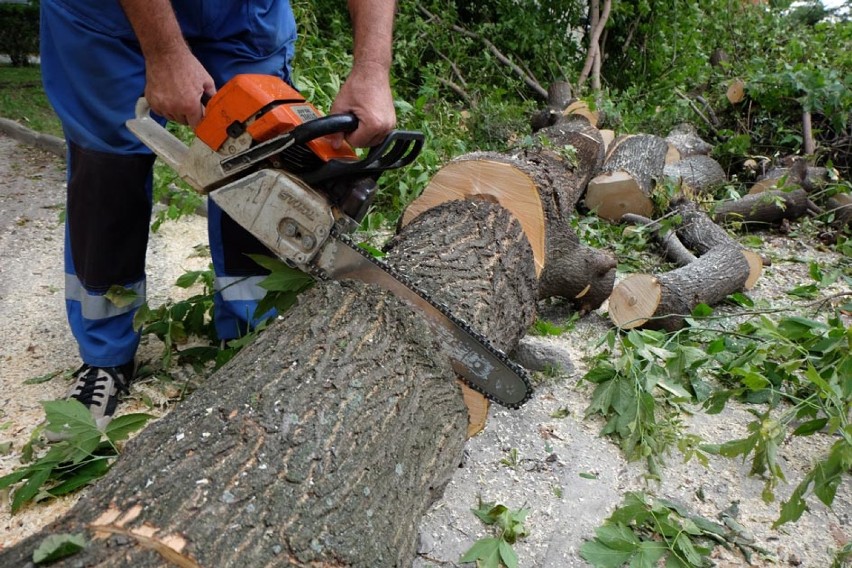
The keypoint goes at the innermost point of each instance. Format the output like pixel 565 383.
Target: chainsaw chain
pixel 520 371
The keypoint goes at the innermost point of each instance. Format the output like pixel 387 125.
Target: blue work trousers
pixel 93 73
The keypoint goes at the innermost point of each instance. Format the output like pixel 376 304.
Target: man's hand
pixel 367 94
pixel 174 83
pixel 175 79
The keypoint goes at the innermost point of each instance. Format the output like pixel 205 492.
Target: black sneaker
pixel 99 390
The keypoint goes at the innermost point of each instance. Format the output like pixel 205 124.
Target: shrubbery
pixel 19 31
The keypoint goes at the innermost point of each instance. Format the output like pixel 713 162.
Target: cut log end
pixel 614 194
pixel 634 300
pixel 755 268
pixel 581 108
pixel 736 91
pixel 489 181
pixel 477 410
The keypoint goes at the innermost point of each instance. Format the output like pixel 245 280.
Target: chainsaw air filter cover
pixel 264 106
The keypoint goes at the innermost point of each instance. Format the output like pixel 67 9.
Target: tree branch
pixel 527 78
pixel 593 43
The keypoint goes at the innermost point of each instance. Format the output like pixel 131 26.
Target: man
pixel 97 58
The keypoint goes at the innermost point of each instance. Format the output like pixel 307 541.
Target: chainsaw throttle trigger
pixel 399 148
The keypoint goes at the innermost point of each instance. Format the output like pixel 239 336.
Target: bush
pixel 19 31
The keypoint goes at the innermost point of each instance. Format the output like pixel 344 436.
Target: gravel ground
pixel 567 476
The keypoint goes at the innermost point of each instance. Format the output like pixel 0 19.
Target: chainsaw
pixel 262 153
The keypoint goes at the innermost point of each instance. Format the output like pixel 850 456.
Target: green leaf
pixel 69 416
pixel 508 555
pixel 58 546
pixel 617 537
pixel 702 311
pixel 121 427
pixel 792 509
pixel 600 374
pixel 282 278
pixel 600 555
pixel 14 477
pixel 485 512
pixel 739 447
pixel 189 278
pixel 81 477
pixel 810 427
pixel 30 489
pixel 485 551
pixel 120 296
pixel 649 553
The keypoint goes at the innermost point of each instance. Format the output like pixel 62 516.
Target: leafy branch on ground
pixel 495 551
pixel 796 368
pixel 70 464
pixel 645 531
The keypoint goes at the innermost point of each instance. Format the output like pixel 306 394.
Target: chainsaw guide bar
pixel 481 366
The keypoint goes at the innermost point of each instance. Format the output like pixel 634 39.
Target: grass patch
pixel 23 100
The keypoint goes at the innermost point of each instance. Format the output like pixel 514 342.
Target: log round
pixel 632 167
pixel 323 442
pixel 665 300
pixel 698 174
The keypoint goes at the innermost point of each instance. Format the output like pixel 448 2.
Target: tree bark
pixel 765 208
pixel 323 442
pixel 632 167
pixel 698 232
pixel 698 174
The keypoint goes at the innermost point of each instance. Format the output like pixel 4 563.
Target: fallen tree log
pixel 323 442
pixel 794 172
pixel 766 208
pixel 699 233
pixel 664 301
pixel 841 206
pixel 633 165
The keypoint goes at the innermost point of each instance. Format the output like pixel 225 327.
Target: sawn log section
pixel 323 442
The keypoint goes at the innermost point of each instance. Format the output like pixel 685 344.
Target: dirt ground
pixel 565 453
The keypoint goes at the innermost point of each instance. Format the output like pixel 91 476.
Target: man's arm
pixel 367 91
pixel 174 78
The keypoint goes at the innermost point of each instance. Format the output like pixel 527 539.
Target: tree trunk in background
pixel 765 208
pixel 324 441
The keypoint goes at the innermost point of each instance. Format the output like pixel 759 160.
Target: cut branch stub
pixel 627 178
pixel 685 139
pixel 665 300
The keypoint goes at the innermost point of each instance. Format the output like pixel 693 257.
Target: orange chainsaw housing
pixel 264 106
